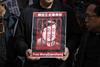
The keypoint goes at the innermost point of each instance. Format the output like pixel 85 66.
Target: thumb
pixel 28 52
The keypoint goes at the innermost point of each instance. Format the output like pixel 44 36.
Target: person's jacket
pixel 9 21
pixel 89 49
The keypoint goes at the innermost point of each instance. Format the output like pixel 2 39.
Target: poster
pixel 48 34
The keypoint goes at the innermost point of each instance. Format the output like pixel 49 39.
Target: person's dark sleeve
pixel 73 31
pixel 20 44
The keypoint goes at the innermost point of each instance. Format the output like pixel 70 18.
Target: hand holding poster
pixel 48 34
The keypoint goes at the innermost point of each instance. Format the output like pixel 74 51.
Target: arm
pixel 73 35
pixel 20 45
pixel 73 32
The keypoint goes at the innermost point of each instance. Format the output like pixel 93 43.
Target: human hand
pixel 29 55
pixel 66 55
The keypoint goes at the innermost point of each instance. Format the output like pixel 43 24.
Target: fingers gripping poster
pixel 48 34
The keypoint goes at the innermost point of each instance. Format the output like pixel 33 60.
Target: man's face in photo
pixel 49 33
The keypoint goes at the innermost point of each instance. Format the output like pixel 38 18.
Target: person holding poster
pixel 31 22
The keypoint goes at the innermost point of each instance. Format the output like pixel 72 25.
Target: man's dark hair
pixel 97 10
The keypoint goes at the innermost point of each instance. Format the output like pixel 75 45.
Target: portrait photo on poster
pixel 50 34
